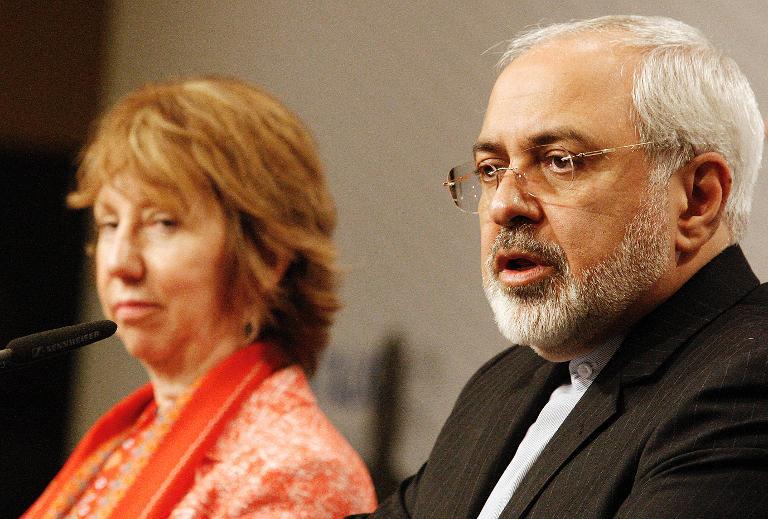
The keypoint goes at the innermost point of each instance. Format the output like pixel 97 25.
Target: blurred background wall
pixel 395 94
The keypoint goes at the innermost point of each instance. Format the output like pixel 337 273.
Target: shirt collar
pixel 586 368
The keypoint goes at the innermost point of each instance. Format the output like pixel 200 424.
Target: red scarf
pixel 169 473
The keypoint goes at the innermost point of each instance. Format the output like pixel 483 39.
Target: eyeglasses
pixel 549 173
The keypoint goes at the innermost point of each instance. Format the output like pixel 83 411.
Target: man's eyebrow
pixel 540 138
pixel 559 134
pixel 486 146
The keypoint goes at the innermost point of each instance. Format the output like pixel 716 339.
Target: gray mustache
pixel 521 237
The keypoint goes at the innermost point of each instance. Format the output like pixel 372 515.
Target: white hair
pixel 688 98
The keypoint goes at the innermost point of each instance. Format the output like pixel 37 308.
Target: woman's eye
pixel 105 225
pixel 166 222
pixel 161 219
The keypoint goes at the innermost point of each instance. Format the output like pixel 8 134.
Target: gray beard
pixel 563 313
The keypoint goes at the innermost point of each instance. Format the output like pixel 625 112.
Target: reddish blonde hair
pixel 233 141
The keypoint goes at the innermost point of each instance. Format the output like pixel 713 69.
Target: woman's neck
pixel 171 381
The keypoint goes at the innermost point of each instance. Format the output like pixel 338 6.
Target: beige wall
pixel 395 93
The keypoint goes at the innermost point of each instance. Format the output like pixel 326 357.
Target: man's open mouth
pixel 519 264
pixel 517 269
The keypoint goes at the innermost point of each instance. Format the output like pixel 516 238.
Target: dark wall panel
pixel 40 267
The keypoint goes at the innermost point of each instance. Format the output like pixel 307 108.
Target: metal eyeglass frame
pixel 451 183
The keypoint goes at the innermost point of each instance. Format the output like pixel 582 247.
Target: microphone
pixel 50 343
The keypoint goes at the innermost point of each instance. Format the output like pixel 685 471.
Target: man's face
pixel 563 273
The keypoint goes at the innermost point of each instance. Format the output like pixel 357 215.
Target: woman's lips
pixel 128 311
pixel 516 269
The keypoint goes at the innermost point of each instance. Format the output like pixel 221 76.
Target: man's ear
pixel 706 183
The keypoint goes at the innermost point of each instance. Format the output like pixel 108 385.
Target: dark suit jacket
pixel 676 425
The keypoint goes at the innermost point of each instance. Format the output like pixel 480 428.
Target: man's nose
pixel 511 201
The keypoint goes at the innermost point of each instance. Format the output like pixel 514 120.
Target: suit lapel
pixel 519 404
pixel 597 406
pixel 715 288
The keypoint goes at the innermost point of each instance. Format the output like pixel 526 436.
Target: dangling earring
pixel 248 330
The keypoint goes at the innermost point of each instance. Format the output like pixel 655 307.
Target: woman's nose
pixel 124 258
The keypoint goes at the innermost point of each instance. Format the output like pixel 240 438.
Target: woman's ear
pixel 706 184
pixel 253 313
pixel 277 271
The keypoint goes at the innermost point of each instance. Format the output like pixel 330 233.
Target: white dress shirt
pixel 561 402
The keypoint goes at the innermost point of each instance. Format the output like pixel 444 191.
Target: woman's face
pixel 162 276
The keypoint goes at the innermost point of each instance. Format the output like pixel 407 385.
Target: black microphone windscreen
pixel 51 342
